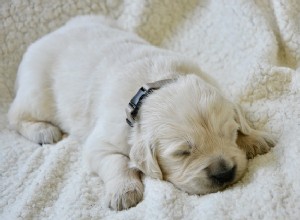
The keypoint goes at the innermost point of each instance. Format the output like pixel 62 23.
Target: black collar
pixel 135 103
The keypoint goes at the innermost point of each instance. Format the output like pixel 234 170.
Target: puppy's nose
pixel 220 173
pixel 224 176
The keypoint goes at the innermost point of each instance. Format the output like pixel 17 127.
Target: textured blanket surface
pixel 252 47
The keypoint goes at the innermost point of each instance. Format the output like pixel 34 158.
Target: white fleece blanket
pixel 252 47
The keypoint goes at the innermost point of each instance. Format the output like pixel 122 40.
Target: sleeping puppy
pixel 180 128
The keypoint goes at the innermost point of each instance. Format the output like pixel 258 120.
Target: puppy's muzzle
pixel 220 172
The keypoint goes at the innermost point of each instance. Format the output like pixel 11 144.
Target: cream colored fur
pixel 79 79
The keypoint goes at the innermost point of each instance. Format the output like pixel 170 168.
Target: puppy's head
pixel 186 133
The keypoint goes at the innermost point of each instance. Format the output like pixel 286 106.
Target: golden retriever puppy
pixel 80 78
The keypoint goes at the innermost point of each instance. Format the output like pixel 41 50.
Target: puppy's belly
pixel 76 102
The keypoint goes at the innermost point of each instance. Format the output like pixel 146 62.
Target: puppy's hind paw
pixel 40 132
pixel 125 195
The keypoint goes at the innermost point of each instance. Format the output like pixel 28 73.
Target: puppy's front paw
pixel 125 194
pixel 257 142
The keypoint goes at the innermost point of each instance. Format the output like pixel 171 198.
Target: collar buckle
pixel 135 103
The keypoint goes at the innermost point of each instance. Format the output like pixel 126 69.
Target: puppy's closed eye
pixel 182 153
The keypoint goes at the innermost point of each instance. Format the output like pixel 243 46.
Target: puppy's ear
pixel 252 141
pixel 143 157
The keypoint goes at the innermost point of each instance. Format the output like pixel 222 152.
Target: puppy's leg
pixel 123 185
pixel 252 141
pixel 32 112
pixel 31 127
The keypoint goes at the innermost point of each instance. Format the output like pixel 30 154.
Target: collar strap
pixel 135 103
